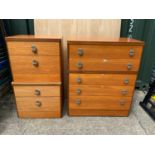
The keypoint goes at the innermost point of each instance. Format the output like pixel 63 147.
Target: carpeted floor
pixel 137 123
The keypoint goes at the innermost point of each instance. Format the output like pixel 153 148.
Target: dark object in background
pixel 148 103
pixel 5 74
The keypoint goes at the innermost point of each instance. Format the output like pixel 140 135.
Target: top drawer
pixel 105 51
pixel 33 48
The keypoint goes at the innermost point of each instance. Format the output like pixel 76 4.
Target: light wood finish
pixel 77 27
pixel 102 75
pixel 102 64
pixel 105 51
pixel 23 65
pixel 55 78
pixel 23 91
pixel 37 75
pixel 24 71
pixel 98 103
pixel 101 90
pixel 25 48
pixel 103 40
pixel 87 112
pixel 34 38
pixel 103 79
pixel 40 114
pixel 30 104
pixel 37 83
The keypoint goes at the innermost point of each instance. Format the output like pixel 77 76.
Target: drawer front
pixel 102 79
pixel 36 78
pixel 28 91
pixel 38 103
pixel 40 114
pixel 94 64
pixel 35 64
pixel 105 52
pixel 101 102
pixel 33 48
pixel 100 90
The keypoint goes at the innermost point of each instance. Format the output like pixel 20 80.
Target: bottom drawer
pixel 39 107
pixel 99 103
pixel 118 113
pixel 41 114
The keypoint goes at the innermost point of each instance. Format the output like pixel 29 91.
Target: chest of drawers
pixel 36 69
pixel 102 75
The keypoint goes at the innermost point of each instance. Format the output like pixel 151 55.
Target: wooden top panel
pixel 37 84
pixel 102 40
pixel 33 38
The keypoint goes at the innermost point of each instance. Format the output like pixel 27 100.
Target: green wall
pixel 143 29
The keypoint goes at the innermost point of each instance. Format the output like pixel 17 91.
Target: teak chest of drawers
pixel 36 69
pixel 102 75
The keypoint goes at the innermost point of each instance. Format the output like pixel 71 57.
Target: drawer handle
pixel 78 80
pixel 126 81
pixel 38 103
pixel 78 101
pixel 124 92
pixel 129 66
pixel 79 65
pixel 122 102
pixel 78 91
pixel 131 53
pixel 35 63
pixel 34 49
pixel 37 92
pixel 80 52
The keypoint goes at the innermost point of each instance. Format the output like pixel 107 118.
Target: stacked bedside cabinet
pixel 102 75
pixel 36 68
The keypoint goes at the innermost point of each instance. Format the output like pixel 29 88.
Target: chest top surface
pixel 103 40
pixel 34 38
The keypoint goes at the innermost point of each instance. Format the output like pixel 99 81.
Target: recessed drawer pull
pixel 78 80
pixel 78 101
pixel 38 103
pixel 78 91
pixel 126 81
pixel 35 63
pixel 124 92
pixel 122 102
pixel 129 66
pixel 131 53
pixel 34 49
pixel 37 92
pixel 79 65
pixel 80 52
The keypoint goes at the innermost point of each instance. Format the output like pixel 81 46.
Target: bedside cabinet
pixel 102 75
pixel 36 68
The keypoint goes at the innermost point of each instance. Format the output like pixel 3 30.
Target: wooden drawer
pixel 40 114
pixel 33 48
pixel 100 90
pixel 38 103
pixel 38 107
pixel 101 102
pixel 102 79
pixel 35 65
pixel 28 91
pixel 101 64
pixel 105 52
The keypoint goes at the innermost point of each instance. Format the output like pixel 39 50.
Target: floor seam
pixel 139 122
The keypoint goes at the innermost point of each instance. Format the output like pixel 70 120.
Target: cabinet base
pixel 33 114
pixel 115 113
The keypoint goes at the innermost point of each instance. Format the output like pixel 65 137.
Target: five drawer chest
pixel 102 75
pixel 37 76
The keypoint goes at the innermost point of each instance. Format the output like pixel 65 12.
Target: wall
pixel 77 27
